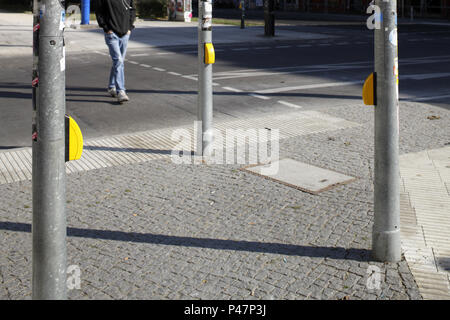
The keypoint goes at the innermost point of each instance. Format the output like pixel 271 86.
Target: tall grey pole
pixel 205 91
pixel 386 244
pixel 49 176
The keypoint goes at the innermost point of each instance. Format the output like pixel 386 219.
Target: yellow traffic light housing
pixel 74 139
pixel 369 93
pixel 210 56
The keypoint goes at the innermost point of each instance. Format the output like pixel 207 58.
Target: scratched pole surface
pixel 48 145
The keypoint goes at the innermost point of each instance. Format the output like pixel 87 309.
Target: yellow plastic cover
pixel 368 93
pixel 75 140
pixel 210 56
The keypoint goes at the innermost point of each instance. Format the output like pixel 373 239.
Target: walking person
pixel 116 18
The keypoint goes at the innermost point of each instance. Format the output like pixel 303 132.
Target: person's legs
pixel 123 44
pixel 116 78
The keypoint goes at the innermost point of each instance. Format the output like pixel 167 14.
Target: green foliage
pixel 151 8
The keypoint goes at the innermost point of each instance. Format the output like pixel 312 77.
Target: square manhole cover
pixel 300 175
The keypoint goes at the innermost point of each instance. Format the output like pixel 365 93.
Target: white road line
pixel 139 55
pixel 102 53
pixel 259 96
pixel 309 86
pixel 174 73
pixel 240 49
pixel 424 76
pixel 191 77
pixel 262 48
pixel 231 89
pixel 159 69
pixel 145 65
pixel 432 98
pixel 133 62
pixel 282 47
pixel 324 44
pixel 342 43
pixel 164 53
pixel 320 68
pixel 288 104
pixel 304 45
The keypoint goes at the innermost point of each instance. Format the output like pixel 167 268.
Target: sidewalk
pixel 143 227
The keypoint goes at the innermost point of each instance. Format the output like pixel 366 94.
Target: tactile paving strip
pixel 15 165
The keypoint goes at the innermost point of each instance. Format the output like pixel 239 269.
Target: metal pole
pixel 205 92
pixel 386 228
pixel 49 175
pixel 85 11
pixel 269 18
pixel 242 3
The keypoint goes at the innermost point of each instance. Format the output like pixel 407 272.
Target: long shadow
pixel 69 94
pixel 207 243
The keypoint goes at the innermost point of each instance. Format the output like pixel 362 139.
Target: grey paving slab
pixel 300 175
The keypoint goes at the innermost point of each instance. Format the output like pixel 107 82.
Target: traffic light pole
pixel 269 18
pixel 205 92
pixel 386 244
pixel 48 148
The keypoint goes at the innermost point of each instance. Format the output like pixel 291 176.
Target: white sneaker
pixel 112 91
pixel 122 96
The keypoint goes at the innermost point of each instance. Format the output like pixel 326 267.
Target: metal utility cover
pixel 302 176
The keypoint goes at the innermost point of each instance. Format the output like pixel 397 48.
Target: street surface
pixel 252 78
pixel 142 226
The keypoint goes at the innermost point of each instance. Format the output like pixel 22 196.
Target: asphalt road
pixel 250 79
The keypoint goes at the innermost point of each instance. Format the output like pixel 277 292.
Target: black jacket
pixel 116 15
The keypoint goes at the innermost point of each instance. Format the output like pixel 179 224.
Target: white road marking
pixel 259 96
pixel 320 68
pixel 102 53
pixel 174 73
pixel 191 77
pixel 262 48
pixel 282 47
pixel 432 98
pixel 309 86
pixel 424 76
pixel 231 89
pixel 164 53
pixel 133 62
pixel 145 65
pixel 139 55
pixel 304 45
pixel 288 104
pixel 159 69
pixel 239 49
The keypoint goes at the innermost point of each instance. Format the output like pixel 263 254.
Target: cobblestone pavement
pixel 158 230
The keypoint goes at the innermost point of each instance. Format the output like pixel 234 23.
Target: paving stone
pixel 257 235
